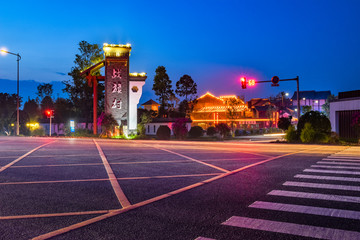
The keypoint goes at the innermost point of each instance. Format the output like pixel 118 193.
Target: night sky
pixel 215 42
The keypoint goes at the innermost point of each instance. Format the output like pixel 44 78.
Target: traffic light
pixel 243 82
pixel 251 82
pixel 49 113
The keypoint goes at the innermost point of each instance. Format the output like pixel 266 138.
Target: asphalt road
pixel 62 188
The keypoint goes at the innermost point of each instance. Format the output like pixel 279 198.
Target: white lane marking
pixel 347 179
pixel 331 171
pixel 291 228
pixel 23 156
pixel 204 238
pixel 322 185
pixel 340 159
pixel 114 182
pixel 340 163
pixel 329 212
pixel 319 196
pixel 336 167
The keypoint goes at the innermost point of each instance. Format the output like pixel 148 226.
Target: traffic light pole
pixel 297 91
pixel 50 126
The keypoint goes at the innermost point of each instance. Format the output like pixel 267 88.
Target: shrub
pixel 319 122
pixel 211 131
pixel 38 132
pixel 163 133
pixel 83 132
pixel 223 129
pixel 291 134
pixel 307 134
pixel 284 123
pixel 196 132
pixel 237 132
pixel 179 128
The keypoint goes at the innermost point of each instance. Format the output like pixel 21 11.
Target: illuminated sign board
pixel 72 126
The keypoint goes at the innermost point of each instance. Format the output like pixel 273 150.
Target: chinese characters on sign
pixel 116 88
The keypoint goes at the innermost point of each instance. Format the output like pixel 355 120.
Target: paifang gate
pixel 122 88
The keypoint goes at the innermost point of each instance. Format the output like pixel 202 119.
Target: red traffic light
pixel 49 113
pixel 243 82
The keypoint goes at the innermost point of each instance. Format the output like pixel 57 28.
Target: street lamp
pixel 17 94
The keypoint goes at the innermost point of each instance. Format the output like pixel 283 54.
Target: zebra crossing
pixel 322 202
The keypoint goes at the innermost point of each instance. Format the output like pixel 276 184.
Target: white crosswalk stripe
pixel 340 163
pixel 322 185
pixel 341 159
pixel 332 171
pixel 345 179
pixel 292 228
pixel 335 167
pixel 329 212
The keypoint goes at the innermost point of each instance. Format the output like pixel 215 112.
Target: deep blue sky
pixel 215 42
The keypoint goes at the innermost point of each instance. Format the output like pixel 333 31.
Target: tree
pixel 163 88
pixel 223 129
pixel 79 91
pixel 306 109
pixel 319 122
pixel 46 103
pixel 7 109
pixel 45 89
pixel 179 128
pixel 31 107
pixel 326 105
pixel 186 87
pixel 284 123
pixel 63 110
pixel 146 117
pixel 232 110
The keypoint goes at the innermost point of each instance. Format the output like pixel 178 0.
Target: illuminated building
pixel 151 105
pixel 210 110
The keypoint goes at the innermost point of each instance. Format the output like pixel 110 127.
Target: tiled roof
pixel 150 102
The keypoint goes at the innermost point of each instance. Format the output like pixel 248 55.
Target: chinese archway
pixel 122 88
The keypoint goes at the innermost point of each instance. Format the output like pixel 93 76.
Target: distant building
pixel 151 128
pixel 315 99
pixel 210 110
pixel 151 105
pixel 342 112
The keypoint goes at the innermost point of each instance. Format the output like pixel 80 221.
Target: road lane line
pixel 192 159
pixel 155 199
pixel 106 179
pixel 114 182
pixel 23 156
pixel 340 163
pixel 335 167
pixel 46 215
pixel 322 185
pixel 329 212
pixel 204 238
pixel 351 157
pixel 319 196
pixel 291 228
pixel 331 171
pixel 346 179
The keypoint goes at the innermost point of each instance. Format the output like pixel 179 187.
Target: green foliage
pixel 223 129
pixel 291 134
pixel 319 122
pixel 32 109
pixel 326 105
pixel 196 132
pixel 107 122
pixel 284 123
pixel 7 111
pixel 38 132
pixel 179 128
pixel 83 132
pixel 186 87
pixel 80 93
pixel 162 86
pixel 163 133
pixel 211 131
pixel 232 112
pixel 45 89
pixel 146 117
pixel 308 133
pixel 306 109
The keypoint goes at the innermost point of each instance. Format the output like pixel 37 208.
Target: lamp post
pixel 17 93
